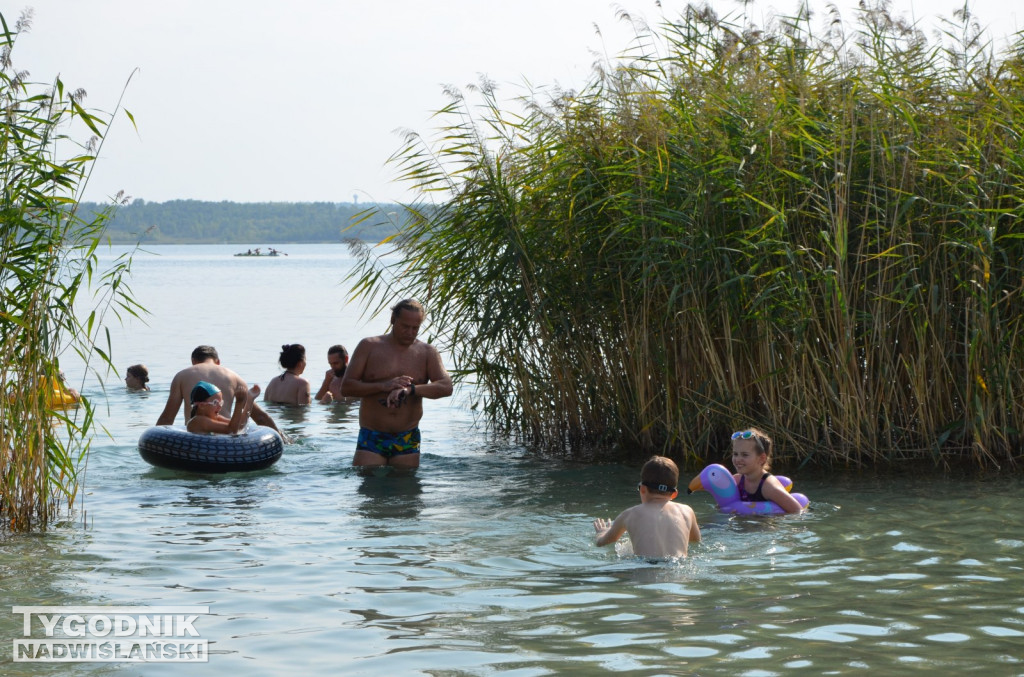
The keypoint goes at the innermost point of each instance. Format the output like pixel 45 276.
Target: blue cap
pixel 202 391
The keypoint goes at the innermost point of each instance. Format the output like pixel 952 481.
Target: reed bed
pixel 48 267
pixel 736 225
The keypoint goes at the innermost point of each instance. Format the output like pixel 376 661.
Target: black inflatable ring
pixel 174 447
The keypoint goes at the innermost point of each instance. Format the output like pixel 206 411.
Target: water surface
pixel 482 562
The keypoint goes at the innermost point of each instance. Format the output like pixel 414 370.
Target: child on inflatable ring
pixel 207 401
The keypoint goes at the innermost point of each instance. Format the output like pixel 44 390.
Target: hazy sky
pixel 263 100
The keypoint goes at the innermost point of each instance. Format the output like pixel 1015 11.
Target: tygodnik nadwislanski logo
pixel 110 634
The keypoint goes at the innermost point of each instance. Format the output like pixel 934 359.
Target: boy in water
pixel 657 527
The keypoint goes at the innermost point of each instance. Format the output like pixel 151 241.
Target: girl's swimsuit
pixel 756 496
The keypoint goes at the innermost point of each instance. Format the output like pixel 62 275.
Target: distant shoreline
pixel 245 223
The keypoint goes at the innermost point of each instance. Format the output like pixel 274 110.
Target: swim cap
pixel 202 391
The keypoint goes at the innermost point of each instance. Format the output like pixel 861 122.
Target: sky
pixel 305 101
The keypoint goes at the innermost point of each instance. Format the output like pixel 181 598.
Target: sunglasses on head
pixel 749 434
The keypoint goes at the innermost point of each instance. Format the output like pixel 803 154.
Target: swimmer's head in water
pixel 291 355
pixel 337 357
pixel 139 371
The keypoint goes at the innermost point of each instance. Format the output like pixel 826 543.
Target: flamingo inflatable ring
pixel 718 481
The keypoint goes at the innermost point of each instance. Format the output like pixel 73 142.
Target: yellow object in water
pixel 59 397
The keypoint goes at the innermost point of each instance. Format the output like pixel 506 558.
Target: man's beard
pixel 339 372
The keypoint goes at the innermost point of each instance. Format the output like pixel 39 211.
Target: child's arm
pixel 608 531
pixel 775 492
pixel 244 402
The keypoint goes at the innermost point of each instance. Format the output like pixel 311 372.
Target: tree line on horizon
pixel 200 222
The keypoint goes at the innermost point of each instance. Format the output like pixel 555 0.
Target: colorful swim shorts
pixel 389 444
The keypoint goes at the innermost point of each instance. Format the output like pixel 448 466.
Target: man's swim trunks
pixel 389 444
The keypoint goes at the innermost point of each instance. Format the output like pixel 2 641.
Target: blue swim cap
pixel 202 391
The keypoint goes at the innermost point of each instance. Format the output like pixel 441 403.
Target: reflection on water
pixel 389 494
pixel 294 420
pixel 339 413
pixel 482 560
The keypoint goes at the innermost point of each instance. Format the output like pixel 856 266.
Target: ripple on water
pixel 483 562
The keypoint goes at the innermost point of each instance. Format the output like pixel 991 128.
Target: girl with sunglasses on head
pixel 207 401
pixel 751 456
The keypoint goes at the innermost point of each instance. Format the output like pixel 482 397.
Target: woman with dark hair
pixel 290 387
pixel 137 377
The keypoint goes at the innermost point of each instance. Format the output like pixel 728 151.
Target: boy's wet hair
pixel 660 475
pixel 407 304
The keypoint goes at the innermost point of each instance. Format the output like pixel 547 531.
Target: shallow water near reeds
pixel 482 562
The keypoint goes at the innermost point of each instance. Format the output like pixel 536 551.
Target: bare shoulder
pixel 366 347
pixel 179 378
pixel 428 348
pixel 683 508
pixel 428 353
pixel 370 341
pixel 232 375
pixel 630 512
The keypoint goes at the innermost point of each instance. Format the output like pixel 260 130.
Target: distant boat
pixel 257 252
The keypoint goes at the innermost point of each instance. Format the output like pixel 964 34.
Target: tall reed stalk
pixel 734 226
pixel 48 267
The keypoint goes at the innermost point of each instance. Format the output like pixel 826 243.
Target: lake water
pixel 482 562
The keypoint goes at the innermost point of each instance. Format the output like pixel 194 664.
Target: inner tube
pixel 174 447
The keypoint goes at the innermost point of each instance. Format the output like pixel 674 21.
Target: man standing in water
pixel 206 367
pixel 391 374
